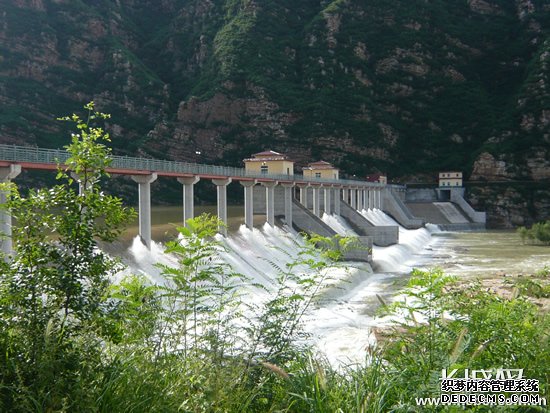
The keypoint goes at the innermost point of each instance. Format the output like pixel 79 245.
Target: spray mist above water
pixel 340 321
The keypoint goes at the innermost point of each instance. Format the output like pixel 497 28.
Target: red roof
pixel 267 156
pixel 374 177
pixel 320 165
pixel 268 153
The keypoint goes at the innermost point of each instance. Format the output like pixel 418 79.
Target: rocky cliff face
pixel 405 87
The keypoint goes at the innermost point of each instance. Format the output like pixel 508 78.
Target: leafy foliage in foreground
pixel 72 341
pixel 52 293
pixel 447 325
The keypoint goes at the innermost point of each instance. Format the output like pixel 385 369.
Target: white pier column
pixel 81 185
pixel 328 203
pixel 221 188
pixel 303 193
pixel 188 183
pixel 337 199
pixel 316 200
pixel 289 188
pixel 6 174
pixel 144 182
pixel 345 194
pixel 359 199
pixel 353 194
pixel 270 201
pixel 371 198
pixel 249 203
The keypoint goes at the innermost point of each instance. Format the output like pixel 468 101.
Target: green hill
pixel 409 87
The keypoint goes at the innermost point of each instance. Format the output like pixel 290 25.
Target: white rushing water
pixel 340 321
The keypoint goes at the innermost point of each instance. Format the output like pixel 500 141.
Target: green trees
pixel 70 340
pixel 53 295
pixel 538 233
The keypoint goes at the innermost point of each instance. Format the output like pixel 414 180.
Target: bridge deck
pixel 49 159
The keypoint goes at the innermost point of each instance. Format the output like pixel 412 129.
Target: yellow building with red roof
pixel 269 162
pixel 321 169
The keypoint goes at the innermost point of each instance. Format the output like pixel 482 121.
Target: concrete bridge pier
pixel 327 200
pixel 144 182
pixel 6 174
pixel 337 196
pixel 370 199
pixel 188 195
pixel 289 196
pixel 81 186
pixel 249 203
pixel 345 194
pixel 221 188
pixel 270 201
pixel 353 194
pixel 303 193
pixel 316 200
pixel 378 193
pixel 360 199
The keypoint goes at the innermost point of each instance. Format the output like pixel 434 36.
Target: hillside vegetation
pixel 406 87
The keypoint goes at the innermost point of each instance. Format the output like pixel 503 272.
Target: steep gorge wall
pixel 408 88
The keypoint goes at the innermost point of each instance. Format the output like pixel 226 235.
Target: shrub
pixel 53 292
pixel 538 233
pixel 446 325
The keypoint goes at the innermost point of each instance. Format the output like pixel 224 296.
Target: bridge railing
pixel 15 153
pixel 32 154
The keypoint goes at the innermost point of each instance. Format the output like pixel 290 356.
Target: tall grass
pixel 187 346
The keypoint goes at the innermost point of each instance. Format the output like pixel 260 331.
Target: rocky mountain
pixel 409 87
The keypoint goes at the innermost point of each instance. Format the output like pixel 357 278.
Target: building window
pixel 288 171
pixel 317 174
pixel 263 169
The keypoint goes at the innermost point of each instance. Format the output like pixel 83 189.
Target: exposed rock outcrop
pixel 369 86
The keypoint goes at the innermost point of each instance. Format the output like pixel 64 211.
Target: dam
pixel 296 200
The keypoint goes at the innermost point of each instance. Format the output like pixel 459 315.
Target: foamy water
pixel 341 319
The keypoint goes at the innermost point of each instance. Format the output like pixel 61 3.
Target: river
pixel 342 319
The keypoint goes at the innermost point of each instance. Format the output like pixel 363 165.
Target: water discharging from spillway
pixel 340 321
